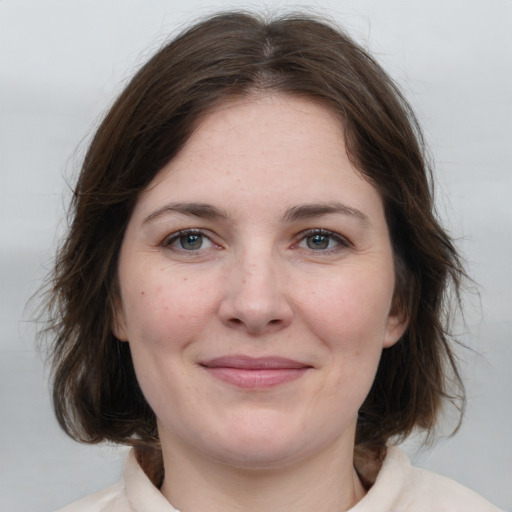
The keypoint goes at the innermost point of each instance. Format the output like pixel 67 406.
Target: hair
pixel 95 391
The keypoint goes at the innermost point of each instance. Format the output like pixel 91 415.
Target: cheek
pixel 163 311
pixel 350 311
pixel 164 316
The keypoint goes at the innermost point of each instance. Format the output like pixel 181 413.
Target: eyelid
pixel 181 232
pixel 176 235
pixel 343 241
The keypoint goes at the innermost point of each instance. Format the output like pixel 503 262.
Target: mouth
pixel 255 373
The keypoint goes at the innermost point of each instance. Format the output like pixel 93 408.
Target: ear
pixel 118 324
pixel 395 328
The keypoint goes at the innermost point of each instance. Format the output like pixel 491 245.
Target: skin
pixel 255 281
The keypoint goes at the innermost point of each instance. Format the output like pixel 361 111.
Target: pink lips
pixel 255 373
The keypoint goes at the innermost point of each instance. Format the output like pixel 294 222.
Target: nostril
pixel 237 323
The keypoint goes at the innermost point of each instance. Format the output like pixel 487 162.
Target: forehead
pixel 269 149
pixel 277 119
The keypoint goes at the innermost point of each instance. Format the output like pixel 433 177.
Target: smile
pixel 255 373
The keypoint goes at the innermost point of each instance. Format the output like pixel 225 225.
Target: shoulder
pixel 400 487
pixel 111 499
pixel 446 494
pixel 133 493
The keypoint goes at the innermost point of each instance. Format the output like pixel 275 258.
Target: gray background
pixel 61 65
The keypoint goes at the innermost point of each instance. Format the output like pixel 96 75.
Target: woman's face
pixel 256 282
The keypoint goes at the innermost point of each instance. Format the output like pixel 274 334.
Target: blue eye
pixel 322 240
pixel 318 242
pixel 188 240
pixel 191 242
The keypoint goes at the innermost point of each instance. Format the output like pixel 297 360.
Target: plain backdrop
pixel 61 65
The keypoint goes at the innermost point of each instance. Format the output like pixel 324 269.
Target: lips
pixel 253 373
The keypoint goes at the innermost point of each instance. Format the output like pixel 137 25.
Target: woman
pixel 253 289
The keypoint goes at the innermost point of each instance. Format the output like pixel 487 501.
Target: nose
pixel 254 298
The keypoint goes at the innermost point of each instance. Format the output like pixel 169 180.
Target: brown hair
pixel 95 392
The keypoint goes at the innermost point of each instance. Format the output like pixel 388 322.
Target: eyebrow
pixel 292 214
pixel 202 210
pixel 308 211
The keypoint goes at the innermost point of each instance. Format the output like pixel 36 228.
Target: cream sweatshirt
pixel 399 487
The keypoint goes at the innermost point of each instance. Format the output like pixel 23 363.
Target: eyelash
pixel 175 237
pixel 341 242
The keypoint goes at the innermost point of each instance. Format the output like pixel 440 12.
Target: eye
pixel 188 240
pixel 322 240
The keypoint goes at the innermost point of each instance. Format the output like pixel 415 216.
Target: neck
pixel 326 482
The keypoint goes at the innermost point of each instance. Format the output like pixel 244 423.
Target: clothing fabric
pixel 399 487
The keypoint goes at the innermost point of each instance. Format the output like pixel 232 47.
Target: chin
pixel 261 445
pixel 260 454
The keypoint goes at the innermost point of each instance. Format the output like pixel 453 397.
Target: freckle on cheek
pixel 142 292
